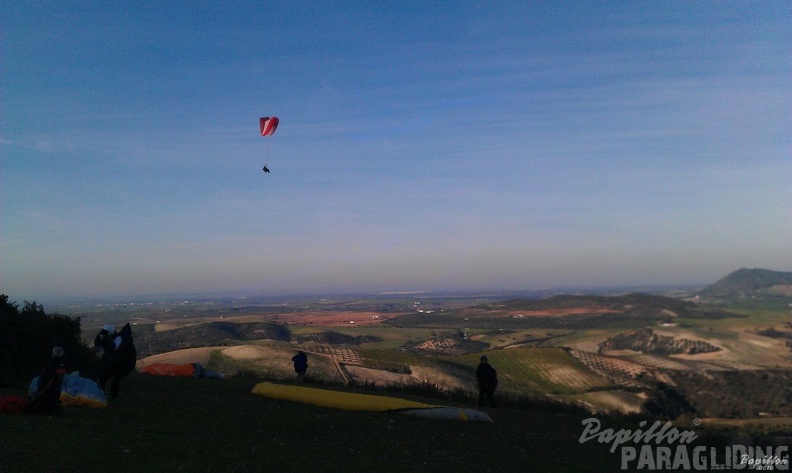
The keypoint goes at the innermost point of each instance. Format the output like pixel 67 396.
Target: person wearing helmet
pixel 487 379
pixel 118 356
pixel 49 385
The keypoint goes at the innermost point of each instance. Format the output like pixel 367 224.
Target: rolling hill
pixel 747 283
pixel 207 334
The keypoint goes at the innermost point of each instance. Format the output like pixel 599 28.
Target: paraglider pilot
pixel 47 399
pixel 487 379
pixel 118 356
pixel 266 169
pixel 300 365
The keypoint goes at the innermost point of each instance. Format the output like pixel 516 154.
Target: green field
pixel 391 338
pixel 541 370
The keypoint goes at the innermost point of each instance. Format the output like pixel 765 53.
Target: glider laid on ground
pixel 76 391
pixel 267 127
pixel 366 402
pixel 186 370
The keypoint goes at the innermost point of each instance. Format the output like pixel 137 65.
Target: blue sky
pixel 422 145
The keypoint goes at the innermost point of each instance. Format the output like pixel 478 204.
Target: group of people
pixel 118 360
pixel 119 357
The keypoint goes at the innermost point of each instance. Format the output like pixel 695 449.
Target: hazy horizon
pixel 59 303
pixel 264 296
pixel 422 146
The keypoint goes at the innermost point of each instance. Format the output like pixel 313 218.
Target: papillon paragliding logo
pixel 664 447
pixel 267 127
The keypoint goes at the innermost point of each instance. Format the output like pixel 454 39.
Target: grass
pixel 188 424
pixel 163 424
pixel 539 370
pixel 391 337
pixel 756 315
pixel 392 359
pixel 535 371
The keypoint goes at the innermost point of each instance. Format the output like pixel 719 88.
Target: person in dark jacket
pixel 118 356
pixel 47 399
pixel 300 365
pixel 487 379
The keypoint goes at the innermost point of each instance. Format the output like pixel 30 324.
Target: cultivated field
pixel 609 354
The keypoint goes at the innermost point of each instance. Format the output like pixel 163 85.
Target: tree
pixel 27 337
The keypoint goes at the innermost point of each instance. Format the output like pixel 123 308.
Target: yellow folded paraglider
pixel 335 399
pixel 366 402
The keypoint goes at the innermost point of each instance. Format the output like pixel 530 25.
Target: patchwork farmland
pixel 572 349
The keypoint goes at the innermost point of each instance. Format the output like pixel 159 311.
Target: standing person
pixel 300 365
pixel 487 379
pixel 47 399
pixel 118 356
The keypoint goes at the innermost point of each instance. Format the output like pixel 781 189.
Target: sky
pixel 422 145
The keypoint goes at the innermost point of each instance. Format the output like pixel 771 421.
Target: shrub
pixel 27 337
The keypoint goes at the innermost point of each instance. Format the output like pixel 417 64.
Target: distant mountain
pixel 750 283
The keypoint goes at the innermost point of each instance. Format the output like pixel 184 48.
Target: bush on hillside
pixel 27 337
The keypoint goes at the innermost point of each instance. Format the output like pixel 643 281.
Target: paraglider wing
pixel 267 125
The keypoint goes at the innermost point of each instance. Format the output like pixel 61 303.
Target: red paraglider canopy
pixel 267 125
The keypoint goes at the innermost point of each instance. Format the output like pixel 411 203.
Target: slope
pixel 168 424
pixel 747 282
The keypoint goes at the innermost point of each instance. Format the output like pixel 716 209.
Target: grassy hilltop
pixel 169 424
pixel 189 424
